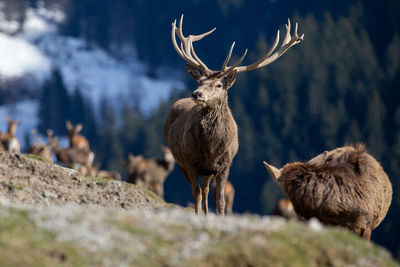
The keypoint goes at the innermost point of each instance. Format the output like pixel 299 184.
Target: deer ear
pixel 229 79
pixel 79 127
pixel 196 73
pixel 68 124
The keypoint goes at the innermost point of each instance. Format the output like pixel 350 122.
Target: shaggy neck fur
pixel 215 123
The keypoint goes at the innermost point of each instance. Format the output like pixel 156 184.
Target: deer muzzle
pixel 199 97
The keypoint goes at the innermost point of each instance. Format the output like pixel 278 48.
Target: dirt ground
pixel 25 179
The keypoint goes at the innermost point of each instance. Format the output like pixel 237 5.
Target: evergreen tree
pixel 54 105
pixel 109 151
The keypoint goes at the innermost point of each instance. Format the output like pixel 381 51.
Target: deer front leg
pixel 192 178
pixel 220 181
pixel 205 188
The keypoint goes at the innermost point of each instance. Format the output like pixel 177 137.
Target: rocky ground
pixel 31 180
pixel 51 216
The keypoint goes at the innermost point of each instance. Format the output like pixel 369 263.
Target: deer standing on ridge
pixel 8 139
pixel 200 130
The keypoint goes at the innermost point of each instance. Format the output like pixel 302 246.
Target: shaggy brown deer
pixel 229 195
pixel 75 139
pixel 284 208
pixel 8 139
pixel 200 130
pixel 150 173
pixel 345 187
pixel 40 149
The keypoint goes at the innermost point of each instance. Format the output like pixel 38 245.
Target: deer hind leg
pixel 229 204
pixel 205 187
pixel 220 181
pixel 366 233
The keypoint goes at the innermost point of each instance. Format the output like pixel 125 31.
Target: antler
pixel 267 59
pixel 186 51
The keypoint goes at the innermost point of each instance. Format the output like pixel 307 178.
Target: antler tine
pixel 267 59
pixel 180 51
pixel 186 51
pixel 228 57
pixel 234 66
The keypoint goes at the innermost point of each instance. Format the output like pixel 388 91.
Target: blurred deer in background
pixel 284 208
pixel 134 167
pixel 229 195
pixel 40 149
pixel 73 157
pixel 94 171
pixel 150 173
pixel 201 131
pixel 75 139
pixel 8 139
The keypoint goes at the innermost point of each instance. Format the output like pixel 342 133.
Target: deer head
pixel 213 85
pixel 73 130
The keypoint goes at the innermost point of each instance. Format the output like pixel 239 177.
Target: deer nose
pixel 197 95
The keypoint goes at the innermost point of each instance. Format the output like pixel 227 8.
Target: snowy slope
pixel 39 48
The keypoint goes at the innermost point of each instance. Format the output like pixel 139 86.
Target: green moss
pixel 36 157
pixel 14 187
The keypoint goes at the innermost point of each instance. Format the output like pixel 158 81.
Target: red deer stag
pixel 345 187
pixel 200 130
pixel 8 139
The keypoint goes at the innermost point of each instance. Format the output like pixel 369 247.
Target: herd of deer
pixel 345 186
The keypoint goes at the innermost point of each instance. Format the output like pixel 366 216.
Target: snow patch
pixel 20 58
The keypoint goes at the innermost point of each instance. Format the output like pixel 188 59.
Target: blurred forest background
pixel 340 86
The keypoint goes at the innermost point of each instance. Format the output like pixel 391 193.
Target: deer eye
pixel 219 85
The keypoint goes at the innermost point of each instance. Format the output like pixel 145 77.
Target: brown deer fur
pixel 72 157
pixel 150 173
pixel 284 208
pixel 75 139
pixel 345 187
pixel 9 140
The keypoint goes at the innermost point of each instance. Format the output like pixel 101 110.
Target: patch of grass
pixel 152 195
pixel 23 244
pixel 36 157
pixel 98 180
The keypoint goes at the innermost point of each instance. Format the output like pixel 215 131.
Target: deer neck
pixel 215 120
